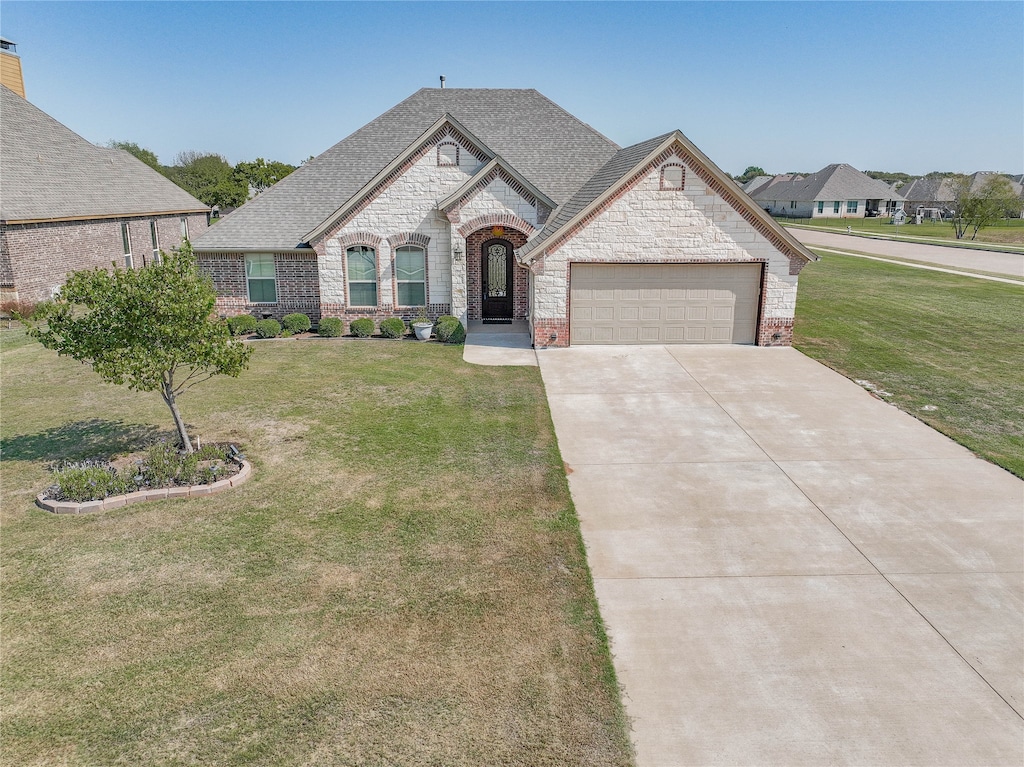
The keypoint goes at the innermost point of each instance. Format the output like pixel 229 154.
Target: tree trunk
pixel 167 393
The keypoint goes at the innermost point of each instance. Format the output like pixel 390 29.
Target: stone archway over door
pixel 497 300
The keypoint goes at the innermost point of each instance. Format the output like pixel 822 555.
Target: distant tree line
pixel 209 177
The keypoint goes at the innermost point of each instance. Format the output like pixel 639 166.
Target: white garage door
pixel 663 303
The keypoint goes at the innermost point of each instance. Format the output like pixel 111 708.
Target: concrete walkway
pixel 792 571
pixel 1011 264
pixel 499 344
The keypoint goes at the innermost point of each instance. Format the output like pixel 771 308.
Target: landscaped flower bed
pixel 162 471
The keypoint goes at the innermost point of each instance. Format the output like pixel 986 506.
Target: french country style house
pixel 498 205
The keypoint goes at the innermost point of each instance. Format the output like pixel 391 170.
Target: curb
pixel 117 501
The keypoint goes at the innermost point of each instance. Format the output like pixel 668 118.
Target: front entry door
pixel 496 276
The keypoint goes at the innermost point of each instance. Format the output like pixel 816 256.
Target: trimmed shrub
pixel 242 324
pixel 268 329
pixel 330 327
pixel 90 481
pixel 361 328
pixel 296 323
pixel 393 327
pixel 449 330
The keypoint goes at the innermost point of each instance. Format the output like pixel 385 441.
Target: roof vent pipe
pixel 442 82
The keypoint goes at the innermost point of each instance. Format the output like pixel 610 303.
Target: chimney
pixel 442 82
pixel 10 67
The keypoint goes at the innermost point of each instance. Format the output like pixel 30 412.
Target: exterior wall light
pixel 457 253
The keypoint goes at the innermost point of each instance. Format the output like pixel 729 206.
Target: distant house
pixel 68 204
pixel 499 206
pixel 836 191
pixel 933 197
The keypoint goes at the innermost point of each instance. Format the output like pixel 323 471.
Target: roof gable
pixel 630 165
pixel 51 173
pixel 542 142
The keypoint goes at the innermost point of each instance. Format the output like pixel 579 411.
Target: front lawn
pixel 930 339
pixel 402 582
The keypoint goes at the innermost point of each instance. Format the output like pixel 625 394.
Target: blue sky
pixel 788 86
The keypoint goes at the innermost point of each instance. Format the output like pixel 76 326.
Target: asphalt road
pixel 1011 264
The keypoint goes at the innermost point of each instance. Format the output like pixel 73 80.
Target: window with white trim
pixel 361 263
pixel 447 153
pixel 155 237
pixel 673 177
pixel 260 278
pixel 184 228
pixel 792 204
pixel 851 206
pixel 821 206
pixel 835 206
pixel 126 241
pixel 411 275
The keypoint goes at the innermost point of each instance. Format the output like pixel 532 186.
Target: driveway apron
pixel 791 571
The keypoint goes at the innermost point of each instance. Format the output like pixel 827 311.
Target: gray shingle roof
pixel 928 190
pixel 833 182
pixel 539 139
pixel 756 183
pixel 47 171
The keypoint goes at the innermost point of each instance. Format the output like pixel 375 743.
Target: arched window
pixel 447 153
pixel 411 275
pixel 673 177
pixel 361 261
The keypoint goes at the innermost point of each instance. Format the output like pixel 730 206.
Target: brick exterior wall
pixel 298 285
pixel 474 273
pixel 644 223
pixel 36 258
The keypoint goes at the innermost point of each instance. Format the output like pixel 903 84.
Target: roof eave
pixel 103 216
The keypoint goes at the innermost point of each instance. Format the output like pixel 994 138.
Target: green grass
pixel 929 338
pixel 1008 231
pixel 402 582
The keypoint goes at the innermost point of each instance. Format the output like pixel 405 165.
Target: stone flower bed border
pixel 116 501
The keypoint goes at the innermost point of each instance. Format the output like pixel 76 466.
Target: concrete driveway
pixel 792 572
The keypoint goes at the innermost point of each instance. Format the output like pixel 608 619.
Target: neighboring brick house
pixel 499 205
pixel 835 191
pixel 66 204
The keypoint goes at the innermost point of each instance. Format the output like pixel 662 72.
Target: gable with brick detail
pixel 629 217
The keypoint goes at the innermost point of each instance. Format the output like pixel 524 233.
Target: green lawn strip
pixel 402 581
pixel 929 338
pixel 1008 232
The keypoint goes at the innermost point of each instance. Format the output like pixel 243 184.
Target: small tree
pixel 151 329
pixel 973 209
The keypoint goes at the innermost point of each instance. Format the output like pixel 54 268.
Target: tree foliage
pixel 208 177
pixel 974 208
pixel 749 174
pixel 260 175
pixel 151 329
pixel 141 153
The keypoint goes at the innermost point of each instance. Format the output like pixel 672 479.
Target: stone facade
pixel 36 258
pixel 645 223
pixel 402 213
